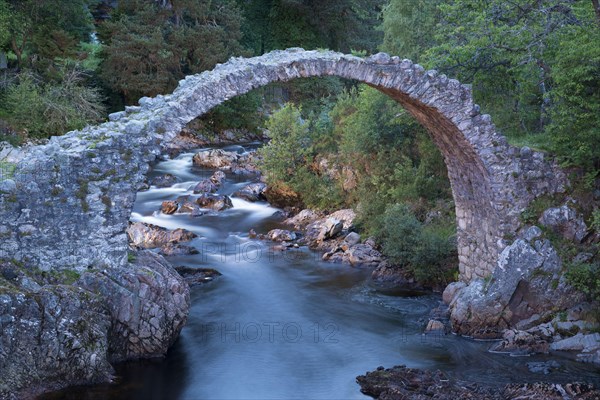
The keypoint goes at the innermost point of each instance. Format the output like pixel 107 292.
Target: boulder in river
pixel 163 181
pixel 281 235
pixel 211 184
pixel 216 202
pixel 252 192
pixel 215 158
pixel 143 235
pixel 169 207
pixel 197 276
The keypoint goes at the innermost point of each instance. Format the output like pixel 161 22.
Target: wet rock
pixel 169 207
pixel 518 287
pixel 252 234
pixel 521 342
pixel 451 291
pixel 216 202
pixel 352 238
pixel 190 207
pixel 143 235
pixel 53 337
pixel 185 140
pixel 565 221
pixel 176 249
pixel 363 255
pixel 389 275
pixel 543 367
pixel 252 192
pixel 148 302
pixel 435 326
pixel 163 181
pixel 303 219
pixel 211 184
pixel 281 235
pixel 402 383
pixel 246 164
pixel 197 276
pixel 205 186
pixel 215 158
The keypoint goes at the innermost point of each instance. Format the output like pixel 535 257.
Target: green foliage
pixel 150 48
pixel 242 112
pixel 52 108
pixel 408 27
pixel 424 250
pixel 335 24
pixel 288 159
pixel 585 277
pixel 574 131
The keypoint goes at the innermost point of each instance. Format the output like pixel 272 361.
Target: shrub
pixel 46 109
pixel 424 249
pixel 585 277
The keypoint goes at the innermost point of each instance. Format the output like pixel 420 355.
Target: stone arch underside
pixel 72 197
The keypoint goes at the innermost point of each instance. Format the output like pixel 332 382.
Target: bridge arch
pixel 102 166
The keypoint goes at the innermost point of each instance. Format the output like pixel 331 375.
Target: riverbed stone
pixel 565 221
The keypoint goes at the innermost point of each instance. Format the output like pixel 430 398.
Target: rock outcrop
pixel 516 294
pixel 63 328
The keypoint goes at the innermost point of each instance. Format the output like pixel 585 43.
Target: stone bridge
pixel 66 204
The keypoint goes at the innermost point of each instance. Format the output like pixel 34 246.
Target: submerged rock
pixel 163 181
pixel 176 249
pixel 197 276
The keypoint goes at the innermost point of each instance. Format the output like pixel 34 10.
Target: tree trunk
pixel 596 4
pixel 18 52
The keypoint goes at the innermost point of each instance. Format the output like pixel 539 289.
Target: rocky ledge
pixel 402 383
pixel 63 328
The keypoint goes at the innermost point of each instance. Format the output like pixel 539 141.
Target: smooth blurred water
pixel 285 325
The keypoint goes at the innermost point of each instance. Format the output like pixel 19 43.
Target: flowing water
pixel 282 325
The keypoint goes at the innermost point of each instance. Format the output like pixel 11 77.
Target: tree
pixel 150 46
pixel 45 28
pixel 408 27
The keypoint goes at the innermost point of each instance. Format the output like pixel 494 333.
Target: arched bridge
pixel 66 204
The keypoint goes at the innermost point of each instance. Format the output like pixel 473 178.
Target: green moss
pixel 82 193
pixel 131 257
pixel 535 209
pixel 56 190
pixel 7 170
pixel 107 202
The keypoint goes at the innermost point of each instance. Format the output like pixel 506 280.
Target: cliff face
pixel 62 329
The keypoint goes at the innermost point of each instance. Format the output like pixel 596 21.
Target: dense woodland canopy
pixel 534 66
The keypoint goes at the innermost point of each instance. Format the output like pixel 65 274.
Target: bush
pixel 424 250
pixel 585 277
pixel 53 108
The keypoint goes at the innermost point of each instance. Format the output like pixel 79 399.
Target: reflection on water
pixel 287 325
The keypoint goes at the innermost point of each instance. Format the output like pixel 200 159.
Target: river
pixel 286 325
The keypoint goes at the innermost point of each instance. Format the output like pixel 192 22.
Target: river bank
pixel 244 326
